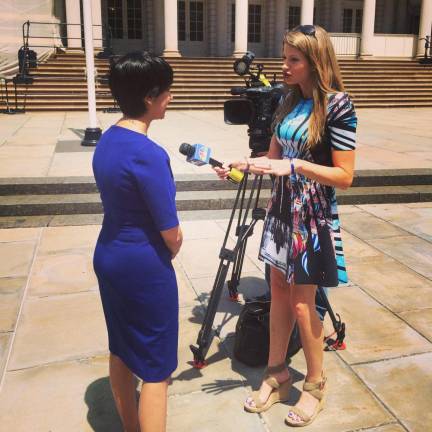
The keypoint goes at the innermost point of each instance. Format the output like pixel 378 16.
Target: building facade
pixel 220 28
pixel 213 28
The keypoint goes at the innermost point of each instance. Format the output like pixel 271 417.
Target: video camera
pixel 256 103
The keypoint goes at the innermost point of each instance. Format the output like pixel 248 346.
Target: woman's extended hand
pixel 277 167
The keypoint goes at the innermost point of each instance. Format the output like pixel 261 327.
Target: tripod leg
pixel 243 232
pixel 338 325
pixel 227 256
pixel 205 335
pixel 236 273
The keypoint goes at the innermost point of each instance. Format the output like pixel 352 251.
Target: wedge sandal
pixel 317 390
pixel 280 391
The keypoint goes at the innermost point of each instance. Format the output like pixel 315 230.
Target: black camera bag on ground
pixel 252 337
pixel 251 345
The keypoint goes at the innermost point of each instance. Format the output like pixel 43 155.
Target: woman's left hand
pixel 277 167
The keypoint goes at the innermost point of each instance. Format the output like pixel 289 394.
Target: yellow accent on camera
pixel 264 80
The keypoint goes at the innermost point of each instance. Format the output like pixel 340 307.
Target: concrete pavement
pixel 53 344
pixel 48 144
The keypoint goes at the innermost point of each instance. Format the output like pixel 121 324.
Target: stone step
pixel 218 99
pixel 223 92
pixel 224 74
pixel 204 83
pixel 236 81
pixel 219 85
pixel 63 204
pixel 230 60
pixel 43 106
pixel 201 182
pixel 229 66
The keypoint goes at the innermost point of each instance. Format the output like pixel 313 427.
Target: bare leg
pixel 153 407
pixel 123 385
pixel 281 325
pixel 311 332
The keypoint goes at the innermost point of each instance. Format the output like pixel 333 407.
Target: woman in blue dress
pixel 311 153
pixel 140 236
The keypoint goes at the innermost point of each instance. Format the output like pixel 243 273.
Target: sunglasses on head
pixel 306 29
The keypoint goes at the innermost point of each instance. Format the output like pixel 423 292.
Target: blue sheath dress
pixel 132 263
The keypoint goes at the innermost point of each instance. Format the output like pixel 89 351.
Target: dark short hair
pixel 137 75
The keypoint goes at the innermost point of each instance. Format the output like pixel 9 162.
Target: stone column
pixel 171 32
pixel 158 23
pixel 148 24
pixel 336 16
pixel 280 19
pixel 212 26
pixel 241 27
pixel 425 25
pixel 389 11
pixel 223 33
pixel 401 17
pixel 269 18
pixel 97 23
pixel 368 28
pixel 73 16
pixel 307 9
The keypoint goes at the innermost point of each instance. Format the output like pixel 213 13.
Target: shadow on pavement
pixel 250 287
pixel 102 413
pixel 78 132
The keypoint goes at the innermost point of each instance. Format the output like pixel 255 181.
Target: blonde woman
pixel 311 152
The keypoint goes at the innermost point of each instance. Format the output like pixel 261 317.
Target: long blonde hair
pixel 325 75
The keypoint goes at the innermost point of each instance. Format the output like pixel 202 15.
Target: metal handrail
pixel 427 45
pixel 26 34
pixel 426 60
pixel 25 62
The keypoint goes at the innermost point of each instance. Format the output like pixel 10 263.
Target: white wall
pixel 387 45
pixel 13 14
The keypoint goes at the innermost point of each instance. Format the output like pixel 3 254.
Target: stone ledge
pixel 201 182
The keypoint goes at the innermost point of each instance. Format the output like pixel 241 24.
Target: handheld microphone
pixel 199 154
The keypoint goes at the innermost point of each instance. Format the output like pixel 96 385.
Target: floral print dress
pixel 301 234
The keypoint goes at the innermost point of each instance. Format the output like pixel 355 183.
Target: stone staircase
pixel 74 196
pixel 204 83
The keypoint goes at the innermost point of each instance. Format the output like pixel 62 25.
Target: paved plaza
pixel 53 342
pixel 48 144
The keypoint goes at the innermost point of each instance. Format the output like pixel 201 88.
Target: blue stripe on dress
pixel 291 134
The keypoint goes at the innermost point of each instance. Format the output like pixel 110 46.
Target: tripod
pixel 9 109
pixel 236 256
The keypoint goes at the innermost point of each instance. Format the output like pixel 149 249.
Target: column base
pixel 74 44
pixel 169 53
pixel 365 56
pixel 239 54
